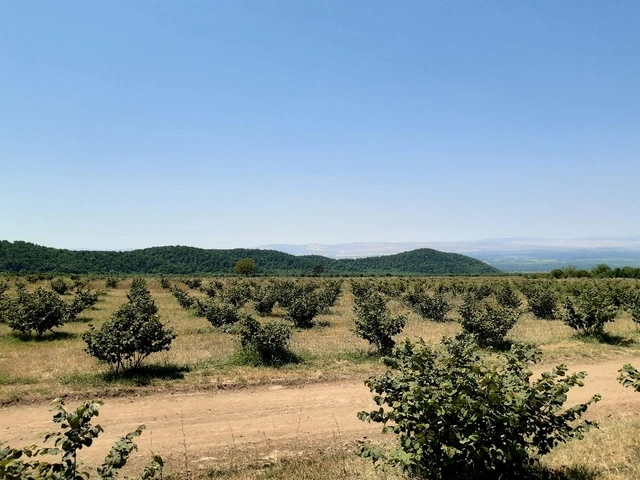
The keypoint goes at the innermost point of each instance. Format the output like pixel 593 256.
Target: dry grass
pixel 611 452
pixel 199 358
pixel 200 355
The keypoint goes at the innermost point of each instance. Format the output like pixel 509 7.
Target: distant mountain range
pixel 483 256
pixel 23 257
pixel 507 254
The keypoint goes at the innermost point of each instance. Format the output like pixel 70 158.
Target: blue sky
pixel 222 124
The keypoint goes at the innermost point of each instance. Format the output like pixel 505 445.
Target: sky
pixel 224 124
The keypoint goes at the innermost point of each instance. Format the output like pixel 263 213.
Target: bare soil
pixel 266 423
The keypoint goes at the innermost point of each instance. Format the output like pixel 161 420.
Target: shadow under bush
pixel 580 472
pixel 145 374
pixel 251 357
pixel 606 338
pixel 47 337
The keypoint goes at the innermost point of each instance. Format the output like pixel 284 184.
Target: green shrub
pixel 76 432
pixel 36 312
pixel 4 302
pixel 459 414
pixel 111 282
pixel 60 286
pixel 211 289
pixel 132 333
pixel 80 283
pixel 284 291
pixel 489 325
pixel 543 300
pixel 219 315
pixel 83 300
pixel 238 293
pixel 479 292
pixel 184 299
pixel 392 288
pixel 618 292
pixel 589 311
pixel 362 288
pixel 631 303
pixel 140 298
pixel 629 377
pixel 330 291
pixel 428 307
pixel 304 308
pixel 193 283
pixel 165 284
pixel 265 302
pixel 375 324
pixel 266 343
pixel 507 297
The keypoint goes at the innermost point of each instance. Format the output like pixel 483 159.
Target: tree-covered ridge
pixel 25 257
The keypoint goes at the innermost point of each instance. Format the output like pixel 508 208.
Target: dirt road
pixel 266 422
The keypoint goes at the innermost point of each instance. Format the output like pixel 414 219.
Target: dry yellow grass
pixel 199 356
pixel 199 359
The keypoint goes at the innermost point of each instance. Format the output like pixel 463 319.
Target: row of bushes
pixel 458 410
pixel 488 310
pixel 40 311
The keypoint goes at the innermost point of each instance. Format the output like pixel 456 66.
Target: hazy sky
pixel 222 124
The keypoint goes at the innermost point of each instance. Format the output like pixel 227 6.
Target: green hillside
pixel 24 257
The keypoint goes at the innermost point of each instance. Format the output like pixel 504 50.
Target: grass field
pixel 203 357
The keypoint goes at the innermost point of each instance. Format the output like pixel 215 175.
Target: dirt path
pixel 267 422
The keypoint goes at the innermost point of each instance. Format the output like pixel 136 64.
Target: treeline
pixel 24 258
pixel 599 271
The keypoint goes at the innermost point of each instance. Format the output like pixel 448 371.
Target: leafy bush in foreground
pixel 131 334
pixel 629 377
pixel 459 414
pixel 36 463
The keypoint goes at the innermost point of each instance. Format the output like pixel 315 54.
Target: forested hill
pixel 24 257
